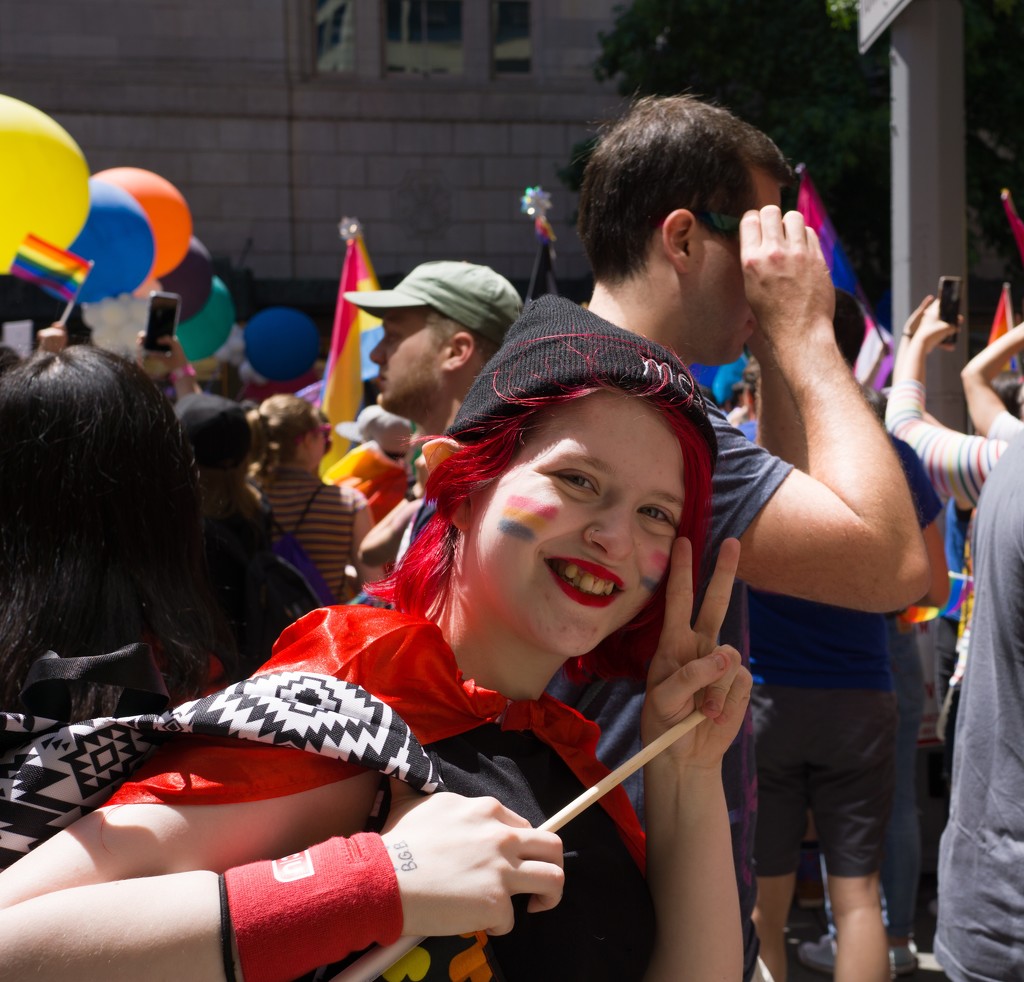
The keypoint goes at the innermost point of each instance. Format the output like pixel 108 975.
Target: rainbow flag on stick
pixel 343 377
pixel 1016 225
pixel 59 272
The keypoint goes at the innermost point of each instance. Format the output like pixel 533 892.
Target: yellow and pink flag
pixel 342 393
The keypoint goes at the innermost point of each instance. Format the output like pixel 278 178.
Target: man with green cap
pixel 441 325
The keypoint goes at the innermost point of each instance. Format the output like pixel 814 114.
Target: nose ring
pixel 590 534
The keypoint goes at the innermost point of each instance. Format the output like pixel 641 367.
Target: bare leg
pixel 862 949
pixel 774 898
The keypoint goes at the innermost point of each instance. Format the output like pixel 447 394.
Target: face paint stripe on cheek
pixel 523 518
pixel 659 560
pixel 528 506
pixel 515 529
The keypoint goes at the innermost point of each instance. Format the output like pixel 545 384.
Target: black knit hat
pixel 556 346
pixel 217 429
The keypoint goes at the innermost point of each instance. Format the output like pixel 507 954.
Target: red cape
pixel 402 660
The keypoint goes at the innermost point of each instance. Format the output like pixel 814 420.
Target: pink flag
pixel 1016 225
pixel 874 363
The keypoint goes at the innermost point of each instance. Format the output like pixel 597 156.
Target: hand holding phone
pixel 949 306
pixel 162 320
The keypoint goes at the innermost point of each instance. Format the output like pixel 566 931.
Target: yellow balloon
pixel 44 180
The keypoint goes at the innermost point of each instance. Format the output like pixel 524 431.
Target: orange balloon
pixel 165 207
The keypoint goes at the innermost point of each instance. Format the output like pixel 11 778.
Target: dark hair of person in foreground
pixel 100 526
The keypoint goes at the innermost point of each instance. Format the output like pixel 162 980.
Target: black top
pixel 604 926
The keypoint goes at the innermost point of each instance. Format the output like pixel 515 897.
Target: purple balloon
pixel 191 279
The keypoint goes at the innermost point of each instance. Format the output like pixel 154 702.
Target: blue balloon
pixel 119 240
pixel 281 343
pixel 726 377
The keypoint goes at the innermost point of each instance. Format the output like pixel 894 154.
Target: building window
pixel 335 35
pixel 511 50
pixel 423 37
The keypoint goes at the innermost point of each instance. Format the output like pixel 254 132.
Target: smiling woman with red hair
pixel 575 474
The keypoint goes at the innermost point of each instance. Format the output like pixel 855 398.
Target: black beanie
pixel 217 429
pixel 556 346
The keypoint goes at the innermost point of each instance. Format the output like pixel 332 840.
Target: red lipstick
pixel 595 570
pixel 587 599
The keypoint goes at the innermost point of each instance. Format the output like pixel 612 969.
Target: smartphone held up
pixel 162 320
pixel 949 305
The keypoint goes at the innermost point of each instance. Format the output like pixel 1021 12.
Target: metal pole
pixel 929 200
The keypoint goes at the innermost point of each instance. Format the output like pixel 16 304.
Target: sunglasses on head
pixel 726 224
pixel 717 222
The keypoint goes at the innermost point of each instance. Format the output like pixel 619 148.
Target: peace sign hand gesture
pixel 690 670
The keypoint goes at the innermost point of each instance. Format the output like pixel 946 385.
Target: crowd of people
pixel 549 549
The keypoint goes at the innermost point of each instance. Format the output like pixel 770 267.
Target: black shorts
pixel 830 751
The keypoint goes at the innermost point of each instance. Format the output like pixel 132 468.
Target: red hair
pixel 421 584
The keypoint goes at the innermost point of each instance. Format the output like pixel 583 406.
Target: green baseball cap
pixel 475 296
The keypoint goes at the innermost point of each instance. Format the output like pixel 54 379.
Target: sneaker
pixel 819 956
pixel 903 959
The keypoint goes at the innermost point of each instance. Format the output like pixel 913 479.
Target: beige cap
pixel 475 296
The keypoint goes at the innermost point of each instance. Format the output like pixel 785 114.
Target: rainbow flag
pixel 1002 322
pixel 959 584
pixel 343 377
pixel 874 363
pixel 59 272
pixel 1016 225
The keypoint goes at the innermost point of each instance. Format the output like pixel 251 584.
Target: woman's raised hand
pixel 690 670
pixel 924 326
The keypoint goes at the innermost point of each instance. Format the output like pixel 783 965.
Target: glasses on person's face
pixel 325 430
pixel 726 224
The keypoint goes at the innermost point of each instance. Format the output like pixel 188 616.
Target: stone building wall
pixel 223 98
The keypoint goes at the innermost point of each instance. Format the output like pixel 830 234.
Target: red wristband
pixel 295 914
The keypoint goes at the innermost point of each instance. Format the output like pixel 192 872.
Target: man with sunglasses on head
pixel 679 215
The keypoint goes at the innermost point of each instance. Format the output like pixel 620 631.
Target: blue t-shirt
pixel 809 645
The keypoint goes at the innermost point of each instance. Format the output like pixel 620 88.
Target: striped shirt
pixel 326 531
pixel 956 464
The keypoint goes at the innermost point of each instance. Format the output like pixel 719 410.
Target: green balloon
pixel 203 333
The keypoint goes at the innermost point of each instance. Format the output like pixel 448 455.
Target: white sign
pixel 874 16
pixel 18 335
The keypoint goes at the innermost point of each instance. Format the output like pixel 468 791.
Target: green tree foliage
pixel 993 96
pixel 794 70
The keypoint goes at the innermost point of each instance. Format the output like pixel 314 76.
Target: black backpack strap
pixel 265 522
pixel 230 540
pixel 281 530
pixel 46 689
pixel 305 511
